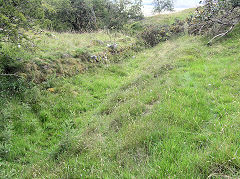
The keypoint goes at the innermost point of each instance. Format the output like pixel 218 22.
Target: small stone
pixel 66 55
pixel 112 46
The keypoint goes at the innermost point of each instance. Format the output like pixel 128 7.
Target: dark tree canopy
pixel 82 15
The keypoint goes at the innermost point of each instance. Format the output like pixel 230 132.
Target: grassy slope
pixel 168 18
pixel 67 43
pixel 170 111
pixel 66 54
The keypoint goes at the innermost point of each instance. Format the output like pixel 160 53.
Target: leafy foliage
pixel 85 15
pixel 15 16
pixel 154 34
pixel 19 17
pixel 215 18
pixel 163 5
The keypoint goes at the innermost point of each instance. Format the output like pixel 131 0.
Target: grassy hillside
pixel 168 18
pixel 55 45
pixel 65 54
pixel 169 111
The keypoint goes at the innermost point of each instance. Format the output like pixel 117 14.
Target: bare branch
pixel 10 75
pixel 221 35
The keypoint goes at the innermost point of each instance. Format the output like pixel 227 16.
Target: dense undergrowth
pixel 167 111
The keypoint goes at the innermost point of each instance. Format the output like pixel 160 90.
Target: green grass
pixel 169 112
pixel 52 45
pixel 55 54
pixel 168 18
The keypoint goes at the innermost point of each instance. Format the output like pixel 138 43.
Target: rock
pixel 113 47
pixel 66 55
pixel 46 67
pixel 94 58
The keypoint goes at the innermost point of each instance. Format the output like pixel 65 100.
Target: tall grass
pixel 170 111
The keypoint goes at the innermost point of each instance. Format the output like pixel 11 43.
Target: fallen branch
pixel 10 75
pixel 202 28
pixel 221 35
pixel 218 175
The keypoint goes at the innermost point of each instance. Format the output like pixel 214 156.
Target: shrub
pixel 152 35
pixel 177 27
pixel 215 18
pixel 133 28
pixel 10 59
pixel 11 85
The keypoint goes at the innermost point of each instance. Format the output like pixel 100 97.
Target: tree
pixel 123 11
pixel 87 15
pixel 163 5
pixel 216 18
pixel 17 15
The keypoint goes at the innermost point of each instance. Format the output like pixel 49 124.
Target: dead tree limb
pixel 10 75
pixel 221 35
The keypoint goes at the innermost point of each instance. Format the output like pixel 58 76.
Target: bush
pixel 14 56
pixel 177 27
pixel 133 28
pixel 215 18
pixel 152 35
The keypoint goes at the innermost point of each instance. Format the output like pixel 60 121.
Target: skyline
pixel 178 5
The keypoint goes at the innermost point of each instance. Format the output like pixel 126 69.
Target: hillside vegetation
pixel 108 105
pixel 168 18
pixel 64 54
pixel 168 111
